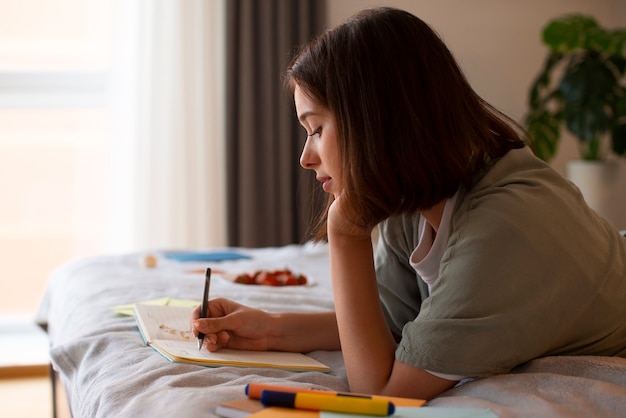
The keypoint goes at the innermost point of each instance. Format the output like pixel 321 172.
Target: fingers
pixel 222 307
pixel 195 314
pixel 214 342
pixel 216 331
pixel 223 324
pixel 217 308
pixel 210 325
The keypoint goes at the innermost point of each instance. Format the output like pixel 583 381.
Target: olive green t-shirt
pixel 529 271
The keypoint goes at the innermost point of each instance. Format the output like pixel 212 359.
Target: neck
pixel 434 214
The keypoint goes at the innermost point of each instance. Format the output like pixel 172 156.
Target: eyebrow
pixel 305 115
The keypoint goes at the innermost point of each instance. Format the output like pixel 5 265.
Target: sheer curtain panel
pixel 166 184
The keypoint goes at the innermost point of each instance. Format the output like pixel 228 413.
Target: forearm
pixel 304 332
pixel 367 343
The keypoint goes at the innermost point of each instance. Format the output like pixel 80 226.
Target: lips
pixel 325 183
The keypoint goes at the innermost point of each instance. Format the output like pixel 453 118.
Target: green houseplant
pixel 582 87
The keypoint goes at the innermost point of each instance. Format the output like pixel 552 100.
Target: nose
pixel 308 158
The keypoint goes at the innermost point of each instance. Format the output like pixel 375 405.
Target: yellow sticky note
pixel 183 302
pixel 127 310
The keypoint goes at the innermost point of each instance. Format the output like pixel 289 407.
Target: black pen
pixel 205 303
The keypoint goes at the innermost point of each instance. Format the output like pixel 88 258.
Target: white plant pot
pixel 603 185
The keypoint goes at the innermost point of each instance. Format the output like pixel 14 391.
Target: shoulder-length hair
pixel 410 128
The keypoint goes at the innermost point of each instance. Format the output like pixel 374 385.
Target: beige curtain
pixel 268 193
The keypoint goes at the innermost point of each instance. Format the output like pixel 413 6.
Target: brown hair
pixel 410 128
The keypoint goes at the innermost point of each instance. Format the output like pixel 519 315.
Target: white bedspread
pixel 109 372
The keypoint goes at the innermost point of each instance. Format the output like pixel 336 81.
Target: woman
pixel 487 258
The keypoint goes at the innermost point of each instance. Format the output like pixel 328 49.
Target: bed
pixel 108 371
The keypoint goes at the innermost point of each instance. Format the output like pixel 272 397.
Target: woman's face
pixel 320 151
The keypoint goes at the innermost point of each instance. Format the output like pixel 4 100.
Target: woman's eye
pixel 318 131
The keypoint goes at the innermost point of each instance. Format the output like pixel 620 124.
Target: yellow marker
pixel 338 403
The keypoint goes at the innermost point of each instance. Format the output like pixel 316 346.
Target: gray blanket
pixel 108 371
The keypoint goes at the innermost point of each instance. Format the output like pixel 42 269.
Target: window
pixel 54 59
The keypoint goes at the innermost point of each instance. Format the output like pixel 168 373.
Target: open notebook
pixel 166 329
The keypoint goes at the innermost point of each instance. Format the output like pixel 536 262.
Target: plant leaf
pixel 598 39
pixel 617 39
pixel 568 32
pixel 542 82
pixel 619 62
pixel 544 129
pixel 618 143
pixel 590 96
pixel 588 88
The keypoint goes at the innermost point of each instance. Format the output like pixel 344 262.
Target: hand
pixel 340 224
pixel 232 325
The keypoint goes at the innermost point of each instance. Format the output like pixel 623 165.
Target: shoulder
pixel 519 180
pixel 523 221
pixel 520 197
pixel 525 227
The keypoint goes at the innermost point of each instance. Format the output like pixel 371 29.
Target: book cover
pixel 239 408
pixel 166 329
pixel 246 407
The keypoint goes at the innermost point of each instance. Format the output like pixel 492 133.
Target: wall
pixel 497 42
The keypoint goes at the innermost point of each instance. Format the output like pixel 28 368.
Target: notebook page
pixel 165 322
pixel 167 329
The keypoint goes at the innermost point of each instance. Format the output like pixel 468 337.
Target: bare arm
pixel 303 332
pixel 367 344
pixel 237 326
